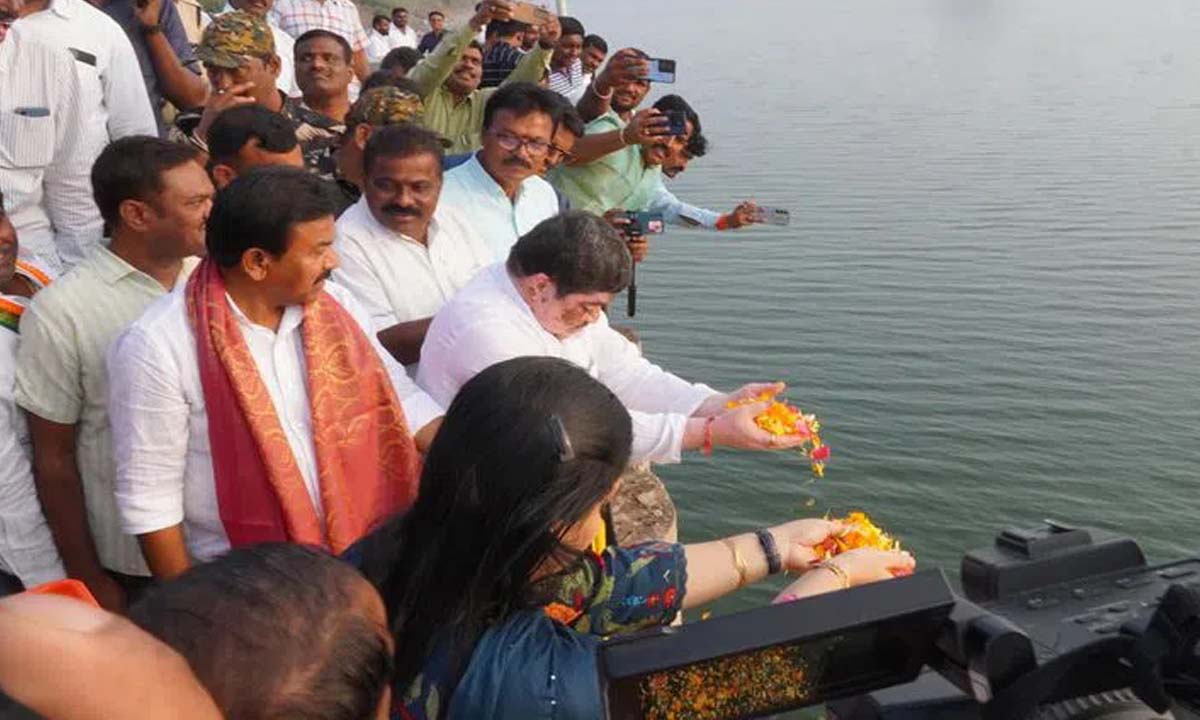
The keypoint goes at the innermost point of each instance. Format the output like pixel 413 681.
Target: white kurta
pixel 488 322
pixel 160 424
pixel 396 278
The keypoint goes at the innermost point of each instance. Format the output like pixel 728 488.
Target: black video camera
pixel 1057 622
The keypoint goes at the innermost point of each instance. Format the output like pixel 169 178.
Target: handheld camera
pixel 641 223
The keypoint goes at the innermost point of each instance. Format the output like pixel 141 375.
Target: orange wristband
pixel 723 222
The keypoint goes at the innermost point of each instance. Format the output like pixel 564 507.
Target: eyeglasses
pixel 558 155
pixel 513 143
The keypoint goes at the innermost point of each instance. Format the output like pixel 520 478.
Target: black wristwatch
pixel 767 540
pixel 151 29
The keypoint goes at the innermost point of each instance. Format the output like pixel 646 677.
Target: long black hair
pixel 528 447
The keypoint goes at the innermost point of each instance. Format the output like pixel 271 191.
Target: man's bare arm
pixel 165 552
pixel 404 340
pixel 60 492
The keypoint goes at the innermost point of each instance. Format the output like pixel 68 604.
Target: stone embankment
pixel 642 510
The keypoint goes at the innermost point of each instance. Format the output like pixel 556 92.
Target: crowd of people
pixel 306 376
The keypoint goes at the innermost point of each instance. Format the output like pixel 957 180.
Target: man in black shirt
pixel 437 28
pixel 502 51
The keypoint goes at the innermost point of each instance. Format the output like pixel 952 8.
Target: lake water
pixel 989 290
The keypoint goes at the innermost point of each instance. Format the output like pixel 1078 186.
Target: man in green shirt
pixel 448 79
pixel 618 164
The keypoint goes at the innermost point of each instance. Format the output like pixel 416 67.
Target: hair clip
pixel 566 451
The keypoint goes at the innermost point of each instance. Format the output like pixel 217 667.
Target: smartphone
pixel 644 223
pixel 531 14
pixel 661 71
pixel 773 216
pixel 676 122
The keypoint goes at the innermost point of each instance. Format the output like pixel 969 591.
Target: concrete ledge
pixel 642 510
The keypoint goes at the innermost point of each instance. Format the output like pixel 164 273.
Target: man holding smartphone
pixel 619 164
pixel 448 80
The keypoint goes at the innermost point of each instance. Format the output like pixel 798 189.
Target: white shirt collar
pixel 293 316
pixel 508 285
pixel 62 8
pixel 378 228
pixel 485 181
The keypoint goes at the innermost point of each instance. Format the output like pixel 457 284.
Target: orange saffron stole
pixel 367 462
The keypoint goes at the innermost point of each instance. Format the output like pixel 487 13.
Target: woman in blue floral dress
pixel 496 601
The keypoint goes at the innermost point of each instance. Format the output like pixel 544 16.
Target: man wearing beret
pixel 238 53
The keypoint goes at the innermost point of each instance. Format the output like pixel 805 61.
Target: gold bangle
pixel 841 575
pixel 739 562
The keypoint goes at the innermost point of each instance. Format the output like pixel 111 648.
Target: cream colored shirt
pixel 26 548
pixel 62 377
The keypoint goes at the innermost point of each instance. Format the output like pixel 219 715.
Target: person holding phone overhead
pixel 448 80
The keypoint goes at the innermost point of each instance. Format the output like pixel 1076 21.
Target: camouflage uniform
pixel 377 107
pixel 230 40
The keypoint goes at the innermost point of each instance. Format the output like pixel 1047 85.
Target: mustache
pixel 516 161
pixel 324 276
pixel 402 210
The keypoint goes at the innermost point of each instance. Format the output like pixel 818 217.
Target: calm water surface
pixel 988 293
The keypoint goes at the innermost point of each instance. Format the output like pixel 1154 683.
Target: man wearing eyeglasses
pixel 500 189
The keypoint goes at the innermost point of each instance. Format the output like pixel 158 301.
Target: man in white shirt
pixel 255 404
pixel 44 155
pixel 378 42
pixel 285 45
pixel 28 556
pixel 548 299
pixel 500 188
pixel 112 93
pixel 402 34
pixel 402 254
pixel 155 196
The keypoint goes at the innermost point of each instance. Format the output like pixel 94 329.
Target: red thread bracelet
pixel 707 447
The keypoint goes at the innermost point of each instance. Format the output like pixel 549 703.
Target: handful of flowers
pixel 858 532
pixel 783 419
